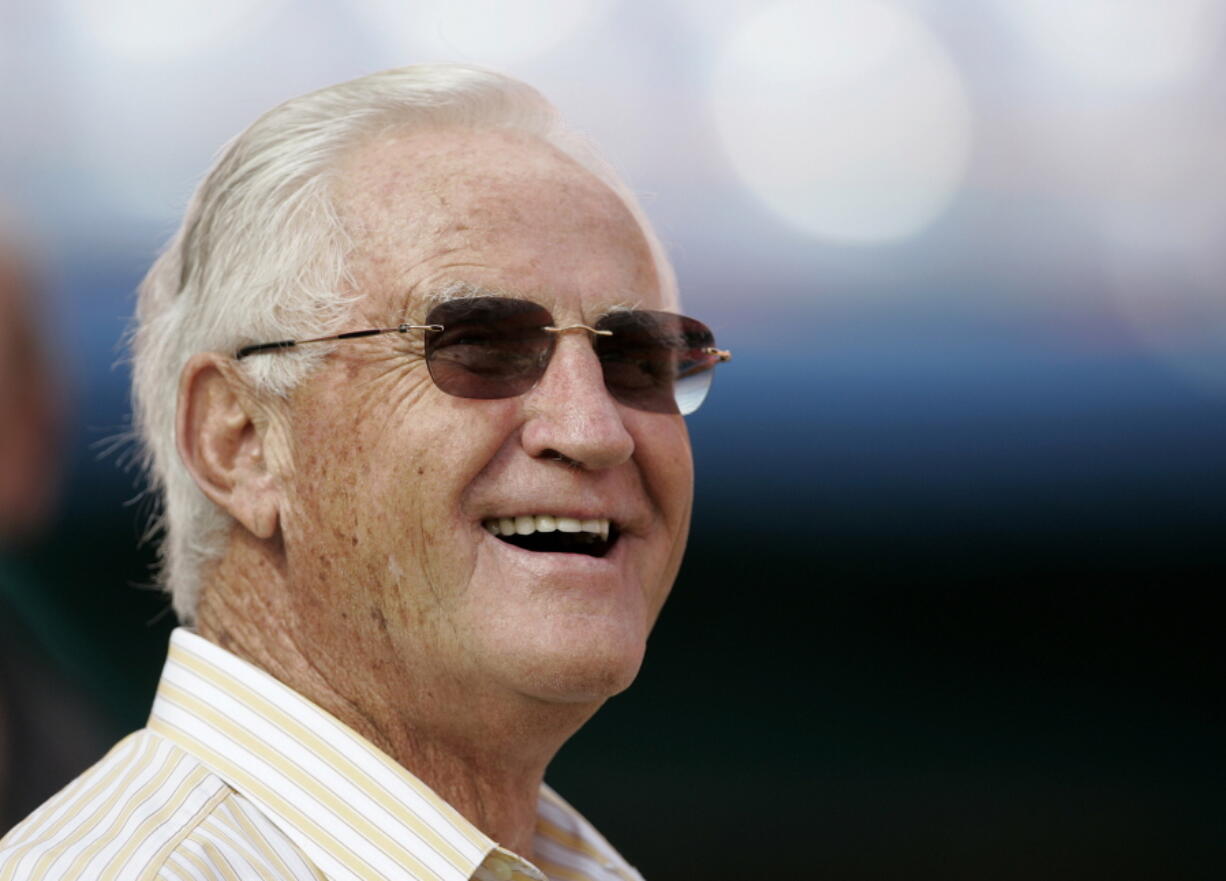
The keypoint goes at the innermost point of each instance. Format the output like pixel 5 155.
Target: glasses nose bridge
pixel 577 328
pixel 556 333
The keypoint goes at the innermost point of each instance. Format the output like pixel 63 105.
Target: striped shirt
pixel 238 777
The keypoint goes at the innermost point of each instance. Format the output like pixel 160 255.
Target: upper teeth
pixel 526 524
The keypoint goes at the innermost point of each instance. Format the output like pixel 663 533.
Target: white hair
pixel 261 255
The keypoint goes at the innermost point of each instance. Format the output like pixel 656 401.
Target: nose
pixel 570 414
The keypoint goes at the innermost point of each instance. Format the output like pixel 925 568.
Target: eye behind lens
pixel 656 361
pixel 489 348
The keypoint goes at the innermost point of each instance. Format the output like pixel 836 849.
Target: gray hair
pixel 261 255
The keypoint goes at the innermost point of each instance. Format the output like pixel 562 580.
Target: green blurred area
pixel 84 597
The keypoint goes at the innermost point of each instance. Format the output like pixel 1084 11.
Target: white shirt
pixel 238 777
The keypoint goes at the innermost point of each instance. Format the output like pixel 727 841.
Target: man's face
pixel 394 482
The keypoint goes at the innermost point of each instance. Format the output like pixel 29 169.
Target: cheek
pixel 663 454
pixel 354 543
pixel 385 503
pixel 662 449
pixel 340 483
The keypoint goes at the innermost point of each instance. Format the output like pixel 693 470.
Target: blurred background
pixel 949 609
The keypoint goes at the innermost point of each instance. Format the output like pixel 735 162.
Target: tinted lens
pixel 497 347
pixel 490 347
pixel 656 361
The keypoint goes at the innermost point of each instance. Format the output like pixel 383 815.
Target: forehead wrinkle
pixel 376 194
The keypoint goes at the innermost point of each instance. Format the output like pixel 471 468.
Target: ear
pixel 224 439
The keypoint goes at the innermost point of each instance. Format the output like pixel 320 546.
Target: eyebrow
pixel 461 290
pixel 464 290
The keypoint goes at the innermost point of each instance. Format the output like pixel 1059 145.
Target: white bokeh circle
pixel 1127 43
pixel 143 126
pixel 846 117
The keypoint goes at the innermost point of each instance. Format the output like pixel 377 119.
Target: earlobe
pixel 222 437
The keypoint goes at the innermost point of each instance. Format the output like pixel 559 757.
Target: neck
pixel 485 754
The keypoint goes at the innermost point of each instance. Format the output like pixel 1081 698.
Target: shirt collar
pixel 354 811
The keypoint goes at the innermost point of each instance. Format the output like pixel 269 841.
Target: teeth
pixel 526 524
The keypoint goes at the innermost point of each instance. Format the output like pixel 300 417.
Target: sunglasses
pixel 500 347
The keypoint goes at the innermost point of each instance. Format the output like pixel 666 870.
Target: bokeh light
pixel 166 30
pixel 1123 42
pixel 846 117
pixel 488 32
pixel 150 99
pixel 1165 240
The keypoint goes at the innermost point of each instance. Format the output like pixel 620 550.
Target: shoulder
pixel 122 819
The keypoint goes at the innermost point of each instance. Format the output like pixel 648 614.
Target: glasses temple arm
pixel 349 335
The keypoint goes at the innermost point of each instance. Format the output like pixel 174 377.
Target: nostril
pixel 561 457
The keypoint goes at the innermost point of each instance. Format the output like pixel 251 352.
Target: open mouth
pixel 546 533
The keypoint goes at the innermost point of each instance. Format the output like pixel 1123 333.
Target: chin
pixel 581 670
pixel 589 685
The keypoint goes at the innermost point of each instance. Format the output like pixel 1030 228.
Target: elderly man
pixel 412 387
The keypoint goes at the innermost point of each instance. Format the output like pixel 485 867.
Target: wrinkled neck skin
pixel 484 754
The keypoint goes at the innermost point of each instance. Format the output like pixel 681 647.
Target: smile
pixel 547 533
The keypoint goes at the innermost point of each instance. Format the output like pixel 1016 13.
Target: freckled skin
pixel 467 663
pixel 530 222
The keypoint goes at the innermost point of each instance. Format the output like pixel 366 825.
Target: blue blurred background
pixel 949 608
